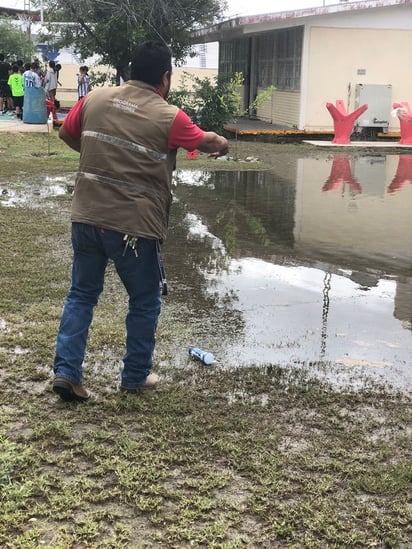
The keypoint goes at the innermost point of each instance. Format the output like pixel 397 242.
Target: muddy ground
pixel 258 457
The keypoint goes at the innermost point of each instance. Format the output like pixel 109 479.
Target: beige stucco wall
pixel 68 89
pixel 68 79
pixel 335 56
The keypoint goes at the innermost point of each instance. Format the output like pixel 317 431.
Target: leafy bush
pixel 99 78
pixel 210 102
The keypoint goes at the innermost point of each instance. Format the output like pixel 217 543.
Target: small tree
pixel 14 42
pixel 256 103
pixel 100 78
pixel 210 102
pixel 111 29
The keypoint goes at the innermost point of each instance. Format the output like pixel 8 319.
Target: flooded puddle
pixel 308 263
pixel 35 190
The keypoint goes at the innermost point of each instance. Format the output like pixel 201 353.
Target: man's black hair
pixel 1 56
pixel 150 61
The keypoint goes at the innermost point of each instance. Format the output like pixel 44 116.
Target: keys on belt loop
pixel 130 241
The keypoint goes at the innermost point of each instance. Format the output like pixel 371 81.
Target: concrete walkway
pixel 13 125
pixel 245 127
pixel 365 144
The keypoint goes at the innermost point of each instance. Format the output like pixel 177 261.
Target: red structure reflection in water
pixel 341 174
pixel 403 173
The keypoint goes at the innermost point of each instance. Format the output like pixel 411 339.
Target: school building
pixel 358 52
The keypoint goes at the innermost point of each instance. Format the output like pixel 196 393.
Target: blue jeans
pixel 93 247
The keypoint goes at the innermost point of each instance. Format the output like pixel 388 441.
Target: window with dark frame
pixel 278 58
pixel 233 56
pixel 288 58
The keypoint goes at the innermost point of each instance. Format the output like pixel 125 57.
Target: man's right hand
pixel 214 144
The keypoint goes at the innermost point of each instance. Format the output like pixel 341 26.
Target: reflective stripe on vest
pixel 125 144
pixel 120 183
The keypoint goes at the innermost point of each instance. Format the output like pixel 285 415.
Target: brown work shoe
pixel 151 381
pixel 68 391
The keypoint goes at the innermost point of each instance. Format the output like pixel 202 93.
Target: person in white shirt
pixel 50 81
pixel 31 78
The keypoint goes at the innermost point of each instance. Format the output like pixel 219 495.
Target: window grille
pixel 264 58
pixel 287 58
pixel 233 56
pixel 278 58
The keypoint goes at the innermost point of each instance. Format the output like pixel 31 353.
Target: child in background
pixel 31 78
pixel 17 91
pixel 58 69
pixel 83 82
pixel 50 81
pixel 5 69
pixel 20 65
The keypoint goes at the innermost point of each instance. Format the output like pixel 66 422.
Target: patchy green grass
pixel 24 153
pixel 256 457
pixel 20 152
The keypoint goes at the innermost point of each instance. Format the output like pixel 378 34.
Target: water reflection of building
pixel 376 234
pixel 287 217
pixel 341 175
pixel 337 211
pixel 370 172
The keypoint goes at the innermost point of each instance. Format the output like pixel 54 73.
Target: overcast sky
pixel 236 7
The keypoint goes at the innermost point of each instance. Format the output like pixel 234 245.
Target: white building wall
pixel 340 58
pixel 336 46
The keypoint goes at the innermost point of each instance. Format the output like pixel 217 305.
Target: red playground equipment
pixel 340 175
pixel 404 114
pixel 343 122
pixel 403 173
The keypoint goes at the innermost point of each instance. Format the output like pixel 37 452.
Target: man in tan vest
pixel 127 137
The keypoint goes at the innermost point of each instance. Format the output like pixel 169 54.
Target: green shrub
pixel 210 102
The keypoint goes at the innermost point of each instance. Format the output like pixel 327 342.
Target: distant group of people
pixel 16 76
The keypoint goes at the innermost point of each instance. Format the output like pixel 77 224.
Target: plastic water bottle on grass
pixel 202 356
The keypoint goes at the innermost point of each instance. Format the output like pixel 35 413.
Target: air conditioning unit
pixel 378 97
